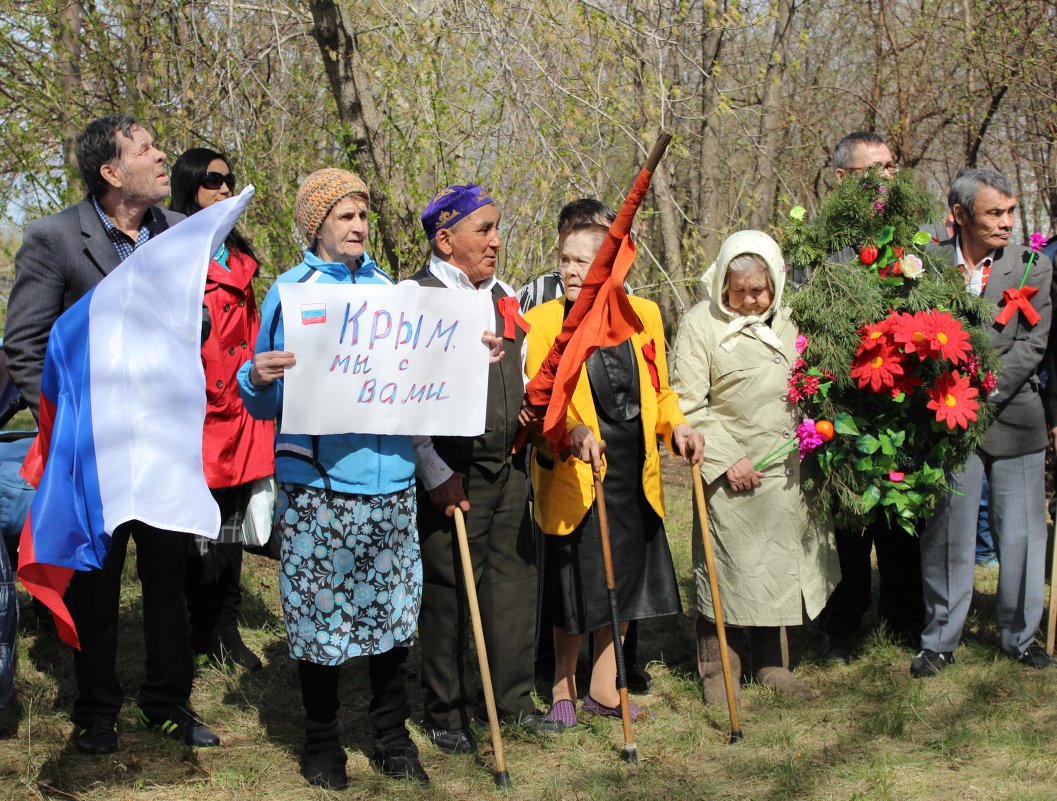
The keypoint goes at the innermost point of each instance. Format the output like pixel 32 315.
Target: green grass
pixel 984 729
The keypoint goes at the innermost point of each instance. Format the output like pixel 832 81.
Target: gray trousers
pixel 948 551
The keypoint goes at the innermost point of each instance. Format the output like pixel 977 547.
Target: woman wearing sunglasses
pixel 237 449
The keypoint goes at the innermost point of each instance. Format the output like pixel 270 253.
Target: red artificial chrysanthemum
pixel 952 400
pixel 913 332
pixel 875 335
pixel 878 367
pixel 948 340
pixel 906 384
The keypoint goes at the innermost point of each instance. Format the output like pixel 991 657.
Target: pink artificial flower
pixel 989 383
pixel 1036 241
pixel 808 436
pixel 879 206
pixel 895 476
pixel 801 343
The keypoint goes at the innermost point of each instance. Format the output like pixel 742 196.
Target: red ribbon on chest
pixel 649 351
pixel 1018 299
pixel 510 310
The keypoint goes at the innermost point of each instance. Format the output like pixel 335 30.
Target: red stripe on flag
pixel 46 583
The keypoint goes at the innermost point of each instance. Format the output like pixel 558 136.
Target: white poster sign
pixel 384 359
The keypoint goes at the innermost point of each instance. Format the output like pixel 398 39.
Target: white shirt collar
pixel 454 278
pixel 960 259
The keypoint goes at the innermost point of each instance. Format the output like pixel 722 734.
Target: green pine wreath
pixel 889 329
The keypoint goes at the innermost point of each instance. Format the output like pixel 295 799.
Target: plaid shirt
pixel 123 243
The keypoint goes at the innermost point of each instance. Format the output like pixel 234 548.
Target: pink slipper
pixel 595 708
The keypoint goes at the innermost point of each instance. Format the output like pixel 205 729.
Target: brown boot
pixel 709 663
pixel 770 661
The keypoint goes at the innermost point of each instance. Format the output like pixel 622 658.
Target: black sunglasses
pixel 214 180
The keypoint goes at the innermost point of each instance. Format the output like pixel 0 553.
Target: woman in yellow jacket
pixel 621 405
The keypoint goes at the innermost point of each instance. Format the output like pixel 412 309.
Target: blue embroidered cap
pixel 450 205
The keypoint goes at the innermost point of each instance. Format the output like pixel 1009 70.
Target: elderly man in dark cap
pixel 477 475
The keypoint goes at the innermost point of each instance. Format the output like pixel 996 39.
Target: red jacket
pixel 235 447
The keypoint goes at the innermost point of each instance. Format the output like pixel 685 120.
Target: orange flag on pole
pixel 601 316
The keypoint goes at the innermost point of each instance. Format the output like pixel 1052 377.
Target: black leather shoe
pixel 639 681
pixel 400 761
pixel 452 741
pixel 100 737
pixel 183 725
pixel 325 767
pixel 838 651
pixel 227 648
pixel 929 663
pixel 538 723
pixel 1035 656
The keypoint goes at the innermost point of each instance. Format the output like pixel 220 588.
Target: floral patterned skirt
pixel 350 571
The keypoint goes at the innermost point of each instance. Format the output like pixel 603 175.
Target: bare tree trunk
pixel 763 194
pixel 365 147
pixel 712 46
pixel 68 63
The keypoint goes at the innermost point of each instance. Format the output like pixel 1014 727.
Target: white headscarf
pixel 759 244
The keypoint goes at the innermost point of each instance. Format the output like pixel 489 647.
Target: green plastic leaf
pixel 844 423
pixel 888 447
pixel 797 212
pixel 886 235
pixel 867 443
pixel 922 238
pixel 865 464
pixel 870 498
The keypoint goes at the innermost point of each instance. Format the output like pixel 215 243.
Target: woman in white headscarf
pixel 774 560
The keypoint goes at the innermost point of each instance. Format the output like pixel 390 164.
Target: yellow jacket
pixel 564 489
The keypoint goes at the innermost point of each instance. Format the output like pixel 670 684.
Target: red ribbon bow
pixel 511 311
pixel 649 350
pixel 1018 299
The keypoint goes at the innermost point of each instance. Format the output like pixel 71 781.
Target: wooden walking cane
pixel 717 604
pixel 502 778
pixel 1051 622
pixel 630 752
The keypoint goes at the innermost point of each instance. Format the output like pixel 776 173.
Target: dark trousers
pixel 214 575
pixel 214 591
pixel 389 709
pixel 93 599
pixel 901 604
pixel 504 566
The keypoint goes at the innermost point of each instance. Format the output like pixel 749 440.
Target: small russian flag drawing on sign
pixel 313 313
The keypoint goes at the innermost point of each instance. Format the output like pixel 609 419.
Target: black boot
pixel 323 759
pixel 394 753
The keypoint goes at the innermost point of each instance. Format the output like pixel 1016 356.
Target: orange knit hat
pixel 319 193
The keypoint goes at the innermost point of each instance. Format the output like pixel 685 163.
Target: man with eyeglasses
pixel 900 604
pixel 861 150
pixel 61 258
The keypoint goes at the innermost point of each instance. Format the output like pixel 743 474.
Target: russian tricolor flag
pixel 123 403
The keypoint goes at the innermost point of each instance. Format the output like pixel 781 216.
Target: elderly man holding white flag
pixel 121 388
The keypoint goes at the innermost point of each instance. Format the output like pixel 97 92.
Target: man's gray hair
pixel 844 152
pixel 968 182
pixel 97 145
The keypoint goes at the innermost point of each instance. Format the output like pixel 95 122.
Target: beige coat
pixel 773 558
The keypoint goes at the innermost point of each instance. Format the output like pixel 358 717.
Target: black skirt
pixel 574 573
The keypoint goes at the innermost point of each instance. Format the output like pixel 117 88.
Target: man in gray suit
pixel 1012 455
pixel 62 257
pixel 66 254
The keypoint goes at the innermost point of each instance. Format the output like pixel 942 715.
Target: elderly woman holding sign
pixel 350 571
pixel 774 560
